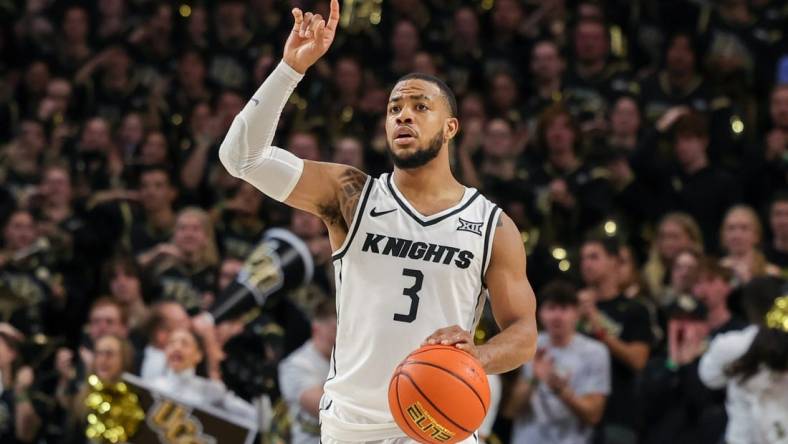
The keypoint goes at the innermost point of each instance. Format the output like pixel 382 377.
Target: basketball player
pixel 415 252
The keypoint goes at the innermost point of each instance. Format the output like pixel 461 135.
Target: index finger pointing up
pixel 333 17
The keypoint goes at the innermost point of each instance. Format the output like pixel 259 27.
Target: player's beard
pixel 419 158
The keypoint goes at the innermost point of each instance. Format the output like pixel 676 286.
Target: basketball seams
pixel 399 404
pixel 427 399
pixel 456 376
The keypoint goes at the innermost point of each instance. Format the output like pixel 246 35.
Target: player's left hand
pixel 455 336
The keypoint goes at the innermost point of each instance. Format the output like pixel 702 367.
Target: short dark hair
pixel 611 245
pixel 448 94
pixel 559 292
pixel 147 169
pixel 550 115
pixel 710 268
pixel 692 124
pixel 778 197
pixel 107 301
pixel 122 262
pixel 591 21
pixel 695 43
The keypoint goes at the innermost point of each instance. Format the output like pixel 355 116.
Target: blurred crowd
pixel 640 146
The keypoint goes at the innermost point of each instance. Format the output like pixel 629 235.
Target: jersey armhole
pixel 489 237
pixel 359 211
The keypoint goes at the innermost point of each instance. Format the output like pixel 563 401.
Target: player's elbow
pixel 231 152
pixel 525 345
pixel 529 342
pixel 226 157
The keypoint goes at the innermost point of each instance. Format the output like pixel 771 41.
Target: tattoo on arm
pixel 351 184
pixel 499 224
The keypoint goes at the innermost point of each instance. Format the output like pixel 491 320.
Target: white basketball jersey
pixel 399 276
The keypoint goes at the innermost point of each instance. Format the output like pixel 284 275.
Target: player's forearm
pixel 246 151
pixel 510 348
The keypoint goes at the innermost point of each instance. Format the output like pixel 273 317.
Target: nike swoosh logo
pixel 256 102
pixel 374 213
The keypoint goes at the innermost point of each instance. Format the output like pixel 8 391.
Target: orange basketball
pixel 439 394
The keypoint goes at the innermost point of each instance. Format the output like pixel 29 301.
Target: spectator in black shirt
pixel 499 171
pixel 113 22
pixel 26 295
pixel 21 159
pixel 19 422
pixel 679 409
pixel 767 166
pixel 504 94
pixel 32 90
pixel 465 53
pixel 73 47
pixel 191 81
pixel 240 221
pixel 594 78
pixel 571 197
pixel 623 325
pixel 405 43
pixel 185 270
pixel 697 187
pixel 777 250
pixel 129 135
pixel 547 70
pixel 508 38
pixel 109 84
pixel 679 82
pixel 713 289
pixel 153 40
pixel 95 164
pixel 157 195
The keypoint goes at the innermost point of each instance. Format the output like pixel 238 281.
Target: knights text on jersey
pixel 400 276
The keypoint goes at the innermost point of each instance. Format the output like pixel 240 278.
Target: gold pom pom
pixel 114 413
pixel 777 317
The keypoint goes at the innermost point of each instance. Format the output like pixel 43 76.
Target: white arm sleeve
pixel 246 151
pixel 722 352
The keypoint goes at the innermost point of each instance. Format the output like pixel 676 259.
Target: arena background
pixel 644 122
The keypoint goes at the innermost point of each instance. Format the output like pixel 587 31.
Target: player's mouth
pixel 404 136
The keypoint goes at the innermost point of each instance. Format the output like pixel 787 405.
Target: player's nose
pixel 404 117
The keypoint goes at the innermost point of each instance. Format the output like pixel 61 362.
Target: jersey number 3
pixel 413 294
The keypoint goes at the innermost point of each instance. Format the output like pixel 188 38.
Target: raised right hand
pixel 310 38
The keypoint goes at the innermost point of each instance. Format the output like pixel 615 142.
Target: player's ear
pixel 451 128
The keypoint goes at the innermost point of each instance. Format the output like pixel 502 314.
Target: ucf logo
pixel 176 425
pixel 426 423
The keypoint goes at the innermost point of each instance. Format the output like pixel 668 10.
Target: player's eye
pixel 394 109
pixel 421 107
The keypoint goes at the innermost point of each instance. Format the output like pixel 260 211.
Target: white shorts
pixel 324 439
pixel 338 426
